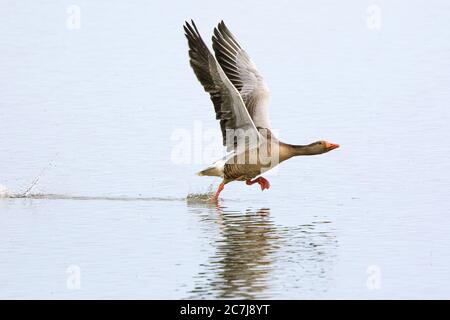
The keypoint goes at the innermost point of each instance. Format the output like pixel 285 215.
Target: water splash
pixel 3 192
pixel 52 196
pixel 207 196
pixel 202 197
pixel 36 180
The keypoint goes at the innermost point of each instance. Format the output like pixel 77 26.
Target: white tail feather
pixel 216 170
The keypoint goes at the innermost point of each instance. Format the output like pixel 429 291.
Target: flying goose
pixel 240 98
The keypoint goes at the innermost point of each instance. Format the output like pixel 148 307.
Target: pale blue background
pixel 96 108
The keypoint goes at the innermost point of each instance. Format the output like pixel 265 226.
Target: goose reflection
pixel 243 257
pixel 252 255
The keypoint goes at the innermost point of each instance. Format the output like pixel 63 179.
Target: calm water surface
pixel 88 116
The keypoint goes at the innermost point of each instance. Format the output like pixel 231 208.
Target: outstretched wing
pixel 243 74
pixel 235 121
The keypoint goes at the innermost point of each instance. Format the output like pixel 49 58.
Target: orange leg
pixel 264 183
pixel 219 190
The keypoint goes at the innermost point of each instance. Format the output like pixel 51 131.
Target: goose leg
pixel 219 190
pixel 264 183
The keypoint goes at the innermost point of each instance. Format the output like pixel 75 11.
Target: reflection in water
pixel 242 261
pixel 254 258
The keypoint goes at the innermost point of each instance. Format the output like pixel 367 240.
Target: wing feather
pixel 242 72
pixel 236 123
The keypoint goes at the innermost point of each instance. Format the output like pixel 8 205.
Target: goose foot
pixel 219 190
pixel 264 183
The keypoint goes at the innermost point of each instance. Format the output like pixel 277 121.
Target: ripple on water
pixel 254 258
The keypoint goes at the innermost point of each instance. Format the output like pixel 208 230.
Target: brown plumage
pixel 240 98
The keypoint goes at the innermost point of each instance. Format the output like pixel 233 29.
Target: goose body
pixel 240 97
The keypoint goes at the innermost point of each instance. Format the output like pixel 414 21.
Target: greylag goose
pixel 240 98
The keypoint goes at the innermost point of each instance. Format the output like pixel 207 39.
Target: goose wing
pixel 242 72
pixel 235 121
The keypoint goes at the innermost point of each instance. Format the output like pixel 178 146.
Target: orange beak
pixel 331 146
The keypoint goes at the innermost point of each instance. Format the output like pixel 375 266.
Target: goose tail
pixel 216 170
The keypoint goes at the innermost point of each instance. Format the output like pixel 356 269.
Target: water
pixel 94 206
